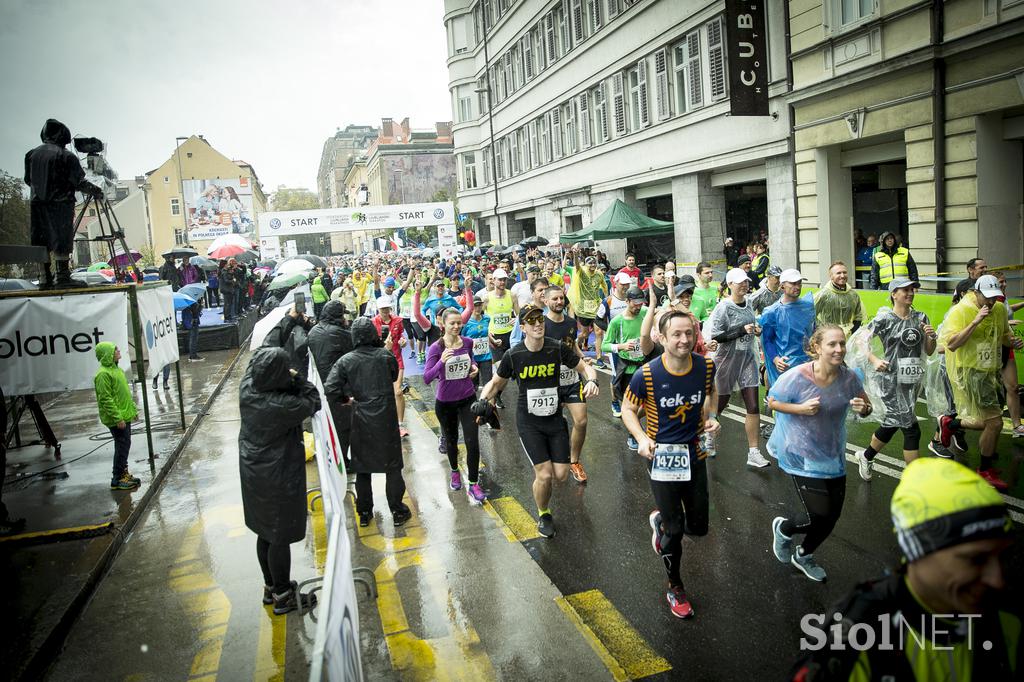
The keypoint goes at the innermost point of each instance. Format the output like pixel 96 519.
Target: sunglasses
pixel 534 320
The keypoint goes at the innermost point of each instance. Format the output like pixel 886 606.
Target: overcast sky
pixel 264 81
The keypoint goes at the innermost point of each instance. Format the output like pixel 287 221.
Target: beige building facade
pixel 909 117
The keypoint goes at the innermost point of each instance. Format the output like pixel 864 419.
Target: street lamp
pixel 181 188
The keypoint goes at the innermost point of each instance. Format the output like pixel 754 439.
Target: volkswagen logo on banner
pixel 275 223
pixel 438 213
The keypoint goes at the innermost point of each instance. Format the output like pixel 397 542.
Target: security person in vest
pixel 890 262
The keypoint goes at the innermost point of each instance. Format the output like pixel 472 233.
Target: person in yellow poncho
pixel 361 281
pixel 587 289
pixel 973 334
pixel 837 303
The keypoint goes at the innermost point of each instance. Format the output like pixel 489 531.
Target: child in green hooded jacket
pixel 117 411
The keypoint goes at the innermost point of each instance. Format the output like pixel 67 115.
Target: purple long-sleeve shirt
pixel 449 390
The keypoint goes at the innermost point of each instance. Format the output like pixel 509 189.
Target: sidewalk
pixel 47 580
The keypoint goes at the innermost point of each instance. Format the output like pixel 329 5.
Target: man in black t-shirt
pixel 536 364
pixel 562 328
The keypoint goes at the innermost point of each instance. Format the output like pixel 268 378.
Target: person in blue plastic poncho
pixel 811 403
pixel 786 326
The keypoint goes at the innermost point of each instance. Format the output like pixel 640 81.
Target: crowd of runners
pixel 675 348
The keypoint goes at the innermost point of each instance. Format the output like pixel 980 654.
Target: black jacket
pixel 328 342
pixel 290 334
pixel 171 274
pixel 271 453
pixel 367 374
pixel 52 172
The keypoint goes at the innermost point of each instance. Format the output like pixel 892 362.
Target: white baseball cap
pixel 623 278
pixel 500 274
pixel 791 275
pixel 988 286
pixel 736 275
pixel 384 302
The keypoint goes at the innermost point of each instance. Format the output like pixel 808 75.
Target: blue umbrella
pixel 150 277
pixel 182 301
pixel 196 290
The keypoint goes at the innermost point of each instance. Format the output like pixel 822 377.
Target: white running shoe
pixel 756 459
pixel 864 466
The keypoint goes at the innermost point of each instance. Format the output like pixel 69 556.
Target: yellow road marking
pixel 59 531
pixel 413 393
pixel 611 636
pixel 319 534
pixel 271 647
pixel 518 520
pixel 509 535
pixel 429 419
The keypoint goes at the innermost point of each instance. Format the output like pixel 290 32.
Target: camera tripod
pixel 110 232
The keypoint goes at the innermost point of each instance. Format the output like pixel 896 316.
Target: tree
pixel 293 199
pixel 14 216
pixel 148 254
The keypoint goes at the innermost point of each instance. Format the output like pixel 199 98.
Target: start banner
pixel 159 327
pixel 48 343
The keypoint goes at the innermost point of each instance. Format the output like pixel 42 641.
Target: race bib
pixel 481 346
pixel 745 342
pixel 987 357
pixel 568 376
pixel 633 352
pixel 457 367
pixel 909 370
pixel 502 320
pixel 542 402
pixel 671 463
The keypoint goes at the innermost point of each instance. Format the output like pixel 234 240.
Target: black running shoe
pixel 546 526
pixel 960 440
pixel 365 518
pixel 400 516
pixel 290 600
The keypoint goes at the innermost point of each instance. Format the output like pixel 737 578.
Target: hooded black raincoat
pixel 328 341
pixel 290 334
pixel 271 454
pixel 367 375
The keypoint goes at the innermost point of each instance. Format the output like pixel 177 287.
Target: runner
pixel 587 287
pixel 502 306
pixel 391 330
pixel 657 282
pixel 733 326
pixel 450 362
pixel 705 295
pixel 636 278
pixel 809 441
pixel 786 326
pixel 476 329
pixel 1009 371
pixel 908 339
pixel 612 307
pixel 562 329
pixel 623 339
pixel 535 364
pixel 837 302
pixel 676 392
pixel 973 335
pixel 770 291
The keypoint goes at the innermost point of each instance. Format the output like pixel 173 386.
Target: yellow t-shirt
pixel 983 350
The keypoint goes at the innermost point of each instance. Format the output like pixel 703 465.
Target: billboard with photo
pixel 218 206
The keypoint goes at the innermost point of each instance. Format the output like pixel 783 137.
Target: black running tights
pixel 823 503
pixel 276 564
pixel 449 416
pixel 684 511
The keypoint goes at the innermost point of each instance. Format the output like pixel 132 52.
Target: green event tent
pixel 619 222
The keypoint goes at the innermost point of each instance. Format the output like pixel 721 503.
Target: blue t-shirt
pixel 477 329
pixel 672 404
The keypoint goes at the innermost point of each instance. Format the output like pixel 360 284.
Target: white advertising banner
pixel 270 248
pixel 215 207
pixel 291 249
pixel 447 241
pixel 48 343
pixel 281 223
pixel 159 327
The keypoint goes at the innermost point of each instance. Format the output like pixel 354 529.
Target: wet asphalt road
pixel 748 606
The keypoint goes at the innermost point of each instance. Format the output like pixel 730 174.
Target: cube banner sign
pixel 748 57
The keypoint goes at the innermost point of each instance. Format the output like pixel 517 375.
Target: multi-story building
pixel 909 117
pixel 199 194
pixel 338 153
pixel 563 106
pixel 406 166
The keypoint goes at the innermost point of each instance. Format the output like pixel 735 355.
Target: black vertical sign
pixel 748 57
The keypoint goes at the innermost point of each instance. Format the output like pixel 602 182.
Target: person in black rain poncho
pixel 274 400
pixel 290 334
pixel 367 375
pixel 328 341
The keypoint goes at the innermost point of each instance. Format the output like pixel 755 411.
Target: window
pixel 510 85
pixel 534 156
pixel 600 114
pixel 585 123
pixel 465 109
pixel 478 22
pixel 638 111
pixel 179 237
pixel 688 80
pixel 852 11
pixel 619 104
pixel 593 16
pixel 549 37
pixel 481 91
pixel 539 53
pixel 613 8
pixel 488 172
pixel 569 123
pixel 556 134
pixel 516 56
pixel 469 170
pixel 663 102
pixel 577 22
pixel 545 139
pixel 527 52
pixel 561 18
pixel 524 149
pixel 716 60
pixel 488 13
pixel 515 161
pixel 175 207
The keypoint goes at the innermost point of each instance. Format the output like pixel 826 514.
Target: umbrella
pixel 99 265
pixel 151 268
pixel 92 278
pixel 249 256
pixel 315 260
pixel 181 301
pixel 122 259
pixel 228 246
pixel 535 240
pixel 14 284
pixel 150 277
pixel 487 245
pixel 195 290
pixel 268 264
pixel 429 253
pixel 203 262
pixel 292 266
pixel 285 281
pixel 180 252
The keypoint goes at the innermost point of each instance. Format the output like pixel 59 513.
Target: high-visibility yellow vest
pixel 891 267
pixel 758 259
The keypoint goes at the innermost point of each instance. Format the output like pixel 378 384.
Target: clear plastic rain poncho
pixel 813 445
pixel 974 368
pixel 901 343
pixel 736 358
pixel 841 308
pixel 785 328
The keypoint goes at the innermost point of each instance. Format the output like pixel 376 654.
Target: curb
pixel 48 651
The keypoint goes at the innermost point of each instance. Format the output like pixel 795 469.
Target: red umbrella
pixel 227 246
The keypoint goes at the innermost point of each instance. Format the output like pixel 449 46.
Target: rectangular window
pixel 577 22
pixel 507 75
pixel 469 170
pixel 478 23
pixel 661 94
pixel 562 19
pixel 613 8
pixel 539 52
pixel 600 114
pixel 515 160
pixel 545 139
pixel 619 104
pixel 534 155
pixel 517 67
pixel 179 237
pixel 465 109
pixel 556 133
pixel 527 52
pixel 689 84
pixel 524 148
pixel 487 166
pixel 638 95
pixel 175 206
pixel 852 11
pixel 481 91
pixel 549 37
pixel 488 13
pixel 593 16
pixel 569 119
pixel 716 59
pixel 585 123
